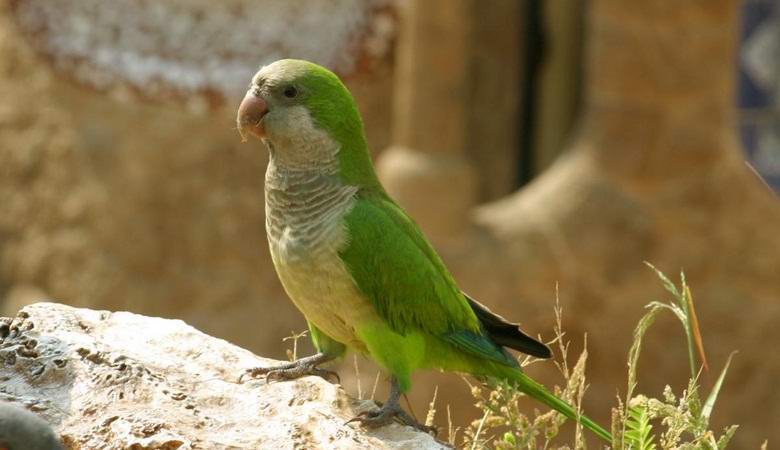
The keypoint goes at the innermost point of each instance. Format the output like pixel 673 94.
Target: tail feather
pixel 538 392
pixel 505 333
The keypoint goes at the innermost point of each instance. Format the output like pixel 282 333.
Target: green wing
pixel 397 269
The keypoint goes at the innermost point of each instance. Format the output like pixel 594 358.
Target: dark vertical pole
pixel 532 46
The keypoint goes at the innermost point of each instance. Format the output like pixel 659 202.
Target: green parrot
pixel 350 259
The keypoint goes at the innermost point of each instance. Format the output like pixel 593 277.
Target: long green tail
pixel 540 393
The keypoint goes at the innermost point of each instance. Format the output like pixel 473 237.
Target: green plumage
pixel 382 287
pixel 398 270
pixel 340 116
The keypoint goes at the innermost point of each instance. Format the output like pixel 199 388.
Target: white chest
pixel 305 234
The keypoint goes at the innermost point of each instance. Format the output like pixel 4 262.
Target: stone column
pixel 426 169
pixel 656 174
pixel 658 99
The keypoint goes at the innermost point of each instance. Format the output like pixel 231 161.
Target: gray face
pixel 22 430
pixel 279 93
pixel 279 86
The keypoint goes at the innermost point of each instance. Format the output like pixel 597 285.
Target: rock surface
pixel 120 380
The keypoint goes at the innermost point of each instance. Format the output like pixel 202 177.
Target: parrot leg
pixel 389 411
pixel 296 369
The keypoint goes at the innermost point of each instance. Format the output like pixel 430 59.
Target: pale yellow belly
pixel 323 290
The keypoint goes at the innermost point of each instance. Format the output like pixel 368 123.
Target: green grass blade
pixel 709 404
pixel 683 308
pixel 728 433
pixel 694 326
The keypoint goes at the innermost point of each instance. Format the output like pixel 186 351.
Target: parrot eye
pixel 290 92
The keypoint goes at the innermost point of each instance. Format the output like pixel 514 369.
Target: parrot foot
pixel 389 412
pixel 382 416
pixel 296 369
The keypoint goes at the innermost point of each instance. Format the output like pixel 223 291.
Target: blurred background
pixel 537 142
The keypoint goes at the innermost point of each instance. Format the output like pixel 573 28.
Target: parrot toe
pixel 301 371
pixel 391 411
pixel 387 413
pixel 296 369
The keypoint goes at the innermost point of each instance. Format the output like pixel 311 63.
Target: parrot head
pixel 294 105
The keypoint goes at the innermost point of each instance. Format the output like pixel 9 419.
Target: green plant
pixel 639 422
pixel 638 427
pixel 686 418
pixel 504 423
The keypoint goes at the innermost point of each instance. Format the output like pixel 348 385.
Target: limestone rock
pixel 121 380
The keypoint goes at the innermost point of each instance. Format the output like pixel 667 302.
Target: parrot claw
pixel 293 370
pixel 379 417
pixel 390 411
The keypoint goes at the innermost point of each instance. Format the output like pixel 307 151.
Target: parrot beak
pixel 250 114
